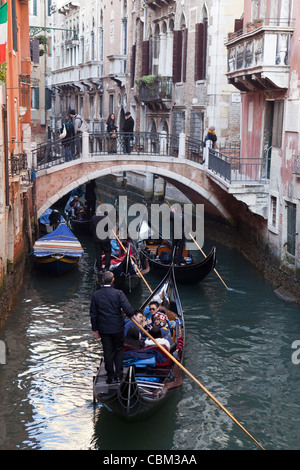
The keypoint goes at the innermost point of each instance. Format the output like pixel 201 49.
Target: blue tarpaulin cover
pixel 60 241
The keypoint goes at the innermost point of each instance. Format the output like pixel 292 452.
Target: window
pixel 82 49
pixel 92 45
pixel 291 228
pixel 33 7
pixel 178 123
pixel 180 54
pixel 48 98
pixel 14 25
pixel 277 124
pixel 35 98
pixel 145 58
pixel 111 104
pixel 200 51
pixel 197 125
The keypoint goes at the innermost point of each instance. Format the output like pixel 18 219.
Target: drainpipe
pixel 6 155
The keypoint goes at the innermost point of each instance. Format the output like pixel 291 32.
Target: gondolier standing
pixel 108 323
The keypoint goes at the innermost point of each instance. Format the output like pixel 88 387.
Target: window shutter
pixel 199 51
pixel 36 98
pixel 35 51
pixel 145 58
pixel 132 65
pixel 238 25
pixel 177 56
pixel 48 98
pixel 184 54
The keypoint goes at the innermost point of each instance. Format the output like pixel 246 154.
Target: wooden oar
pixel 206 257
pixel 197 382
pixel 138 270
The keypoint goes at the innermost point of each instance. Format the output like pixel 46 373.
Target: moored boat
pixel 150 375
pixel 57 252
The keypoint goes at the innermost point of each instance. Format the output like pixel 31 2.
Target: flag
pixel 3 32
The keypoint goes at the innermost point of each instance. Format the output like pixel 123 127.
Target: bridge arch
pixel 193 189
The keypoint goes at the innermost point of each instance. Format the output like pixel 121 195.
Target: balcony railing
pixel 160 88
pixel 17 164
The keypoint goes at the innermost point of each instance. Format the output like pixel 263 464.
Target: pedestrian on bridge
pixel 67 140
pixel 128 129
pixel 77 123
pixel 111 128
pixel 211 136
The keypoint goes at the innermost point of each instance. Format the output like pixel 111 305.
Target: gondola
pixel 57 252
pixel 125 273
pixel 150 376
pixel 82 227
pixel 158 253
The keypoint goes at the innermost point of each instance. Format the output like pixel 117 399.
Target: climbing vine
pixel 3 72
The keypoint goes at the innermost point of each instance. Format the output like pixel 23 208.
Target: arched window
pixel 155 49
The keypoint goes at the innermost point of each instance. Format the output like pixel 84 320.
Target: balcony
pixel 155 91
pixel 259 56
pixel 153 4
pixel 118 68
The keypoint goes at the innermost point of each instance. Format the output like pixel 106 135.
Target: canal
pixel 238 345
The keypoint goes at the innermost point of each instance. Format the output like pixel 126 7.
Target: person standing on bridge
pixel 128 129
pixel 111 128
pixel 77 123
pixel 66 141
pixel 211 136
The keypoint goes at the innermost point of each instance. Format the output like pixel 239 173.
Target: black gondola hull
pixel 185 274
pixel 144 390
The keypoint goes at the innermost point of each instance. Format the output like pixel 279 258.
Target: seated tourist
pixel 139 318
pixel 133 338
pixel 156 334
pixel 160 320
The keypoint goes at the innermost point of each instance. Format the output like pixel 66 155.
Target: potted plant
pixel 249 26
pixel 258 23
pixel 147 80
pixel 232 35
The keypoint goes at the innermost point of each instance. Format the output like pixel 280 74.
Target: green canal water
pixel 238 345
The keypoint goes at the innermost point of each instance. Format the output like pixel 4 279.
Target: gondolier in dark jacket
pixel 101 244
pixel 106 311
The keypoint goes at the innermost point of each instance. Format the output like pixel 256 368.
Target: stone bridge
pixel 181 169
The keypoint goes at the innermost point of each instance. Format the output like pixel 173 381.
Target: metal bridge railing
pixel 55 152
pixel 148 143
pixel 236 169
pixel 194 150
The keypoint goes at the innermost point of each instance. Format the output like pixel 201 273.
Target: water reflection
pixel 237 344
